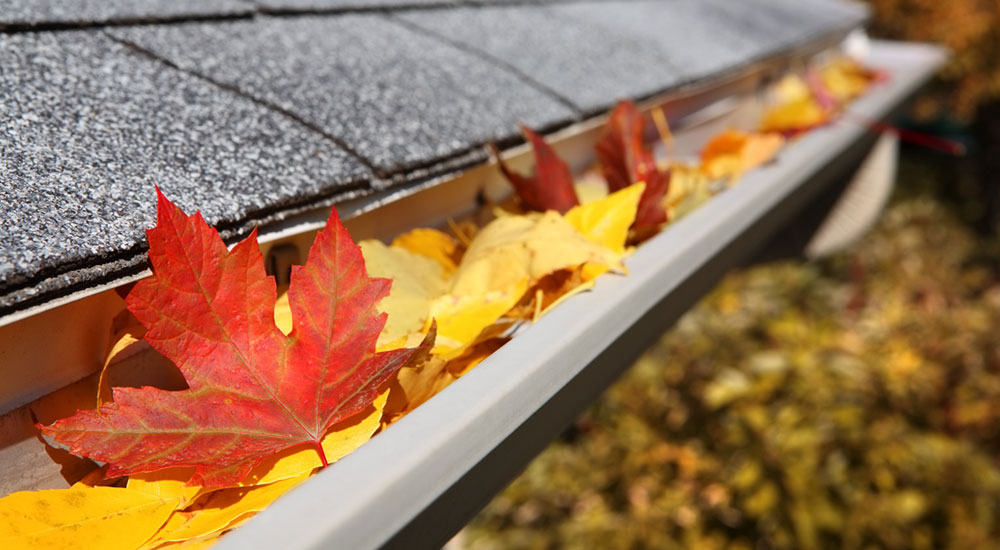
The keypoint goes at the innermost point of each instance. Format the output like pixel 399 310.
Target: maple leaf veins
pixel 252 390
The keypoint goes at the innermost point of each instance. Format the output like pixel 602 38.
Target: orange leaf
pixel 733 152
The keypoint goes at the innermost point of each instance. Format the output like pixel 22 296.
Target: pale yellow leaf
pixel 844 79
pixel 790 88
pixel 207 541
pixel 283 312
pixel 199 543
pixel 219 509
pixel 108 518
pixel 689 188
pixel 606 221
pixel 126 334
pixel 794 116
pixel 462 364
pixel 586 284
pixel 511 250
pixel 416 281
pixel 412 386
pixel 169 483
pixel 460 319
pixel 502 262
pixel 591 189
pixel 433 244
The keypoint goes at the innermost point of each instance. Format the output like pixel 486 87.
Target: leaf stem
pixel 322 454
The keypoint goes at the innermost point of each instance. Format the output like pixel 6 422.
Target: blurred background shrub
pixel 969 28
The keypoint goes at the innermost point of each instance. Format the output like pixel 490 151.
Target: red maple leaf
pixel 551 187
pixel 626 160
pixel 252 390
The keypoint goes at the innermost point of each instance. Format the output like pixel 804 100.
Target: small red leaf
pixel 252 391
pixel 626 160
pixel 551 187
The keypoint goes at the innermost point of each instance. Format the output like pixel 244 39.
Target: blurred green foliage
pixel 851 403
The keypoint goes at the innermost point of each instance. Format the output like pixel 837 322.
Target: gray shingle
pixel 592 54
pixel 345 5
pixel 697 44
pixel 26 13
pixel 770 25
pixel 87 127
pixel 595 53
pixel 399 98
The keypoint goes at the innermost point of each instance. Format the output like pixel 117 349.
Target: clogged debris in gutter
pixel 284 381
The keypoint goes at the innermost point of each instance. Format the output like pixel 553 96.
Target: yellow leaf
pixel 591 189
pixel 199 543
pixel 689 188
pixel 432 244
pixel 473 356
pixel 760 149
pixel 126 333
pixel 731 153
pixel 81 517
pixel 416 281
pixel 553 289
pixel 606 221
pixel 283 312
pixel 794 116
pixel 412 386
pixel 791 88
pixel 93 478
pixel 844 79
pixel 461 319
pixel 511 250
pixel 343 437
pixel 169 483
pixel 502 262
pixel 556 298
pixel 220 509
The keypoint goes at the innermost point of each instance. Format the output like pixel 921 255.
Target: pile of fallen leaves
pixel 269 385
pixel 853 403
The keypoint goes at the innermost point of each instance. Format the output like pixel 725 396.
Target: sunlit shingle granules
pixel 397 97
pixel 28 13
pixel 88 127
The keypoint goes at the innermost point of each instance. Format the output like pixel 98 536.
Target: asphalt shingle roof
pixel 621 49
pixel 49 13
pixel 89 126
pixel 345 5
pixel 398 98
pixel 252 117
